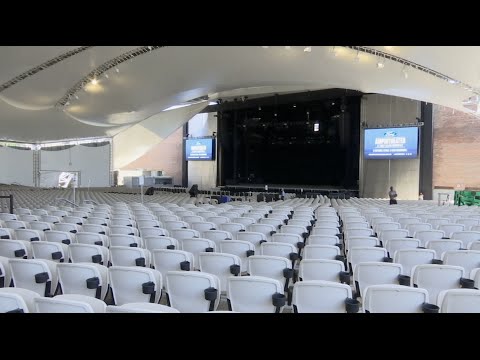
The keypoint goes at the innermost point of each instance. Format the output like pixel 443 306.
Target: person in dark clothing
pixel 392 194
pixel 193 190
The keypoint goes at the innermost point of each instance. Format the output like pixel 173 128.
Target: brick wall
pixel 456 148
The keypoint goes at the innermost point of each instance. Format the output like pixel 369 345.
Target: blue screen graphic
pixel 391 143
pixel 199 149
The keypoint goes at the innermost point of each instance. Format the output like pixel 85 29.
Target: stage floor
pixel 289 187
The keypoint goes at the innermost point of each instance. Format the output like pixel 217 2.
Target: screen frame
pixel 391 157
pixel 214 148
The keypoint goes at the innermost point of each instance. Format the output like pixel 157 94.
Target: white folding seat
pixel 233 228
pixel 244 220
pixel 184 234
pixel 466 237
pixel 183 213
pixel 295 229
pixel 16 224
pixel 131 284
pixel 468 222
pixel 92 239
pixel 100 214
pixel 378 228
pixel 357 255
pixel 127 230
pixel 252 215
pixel 15 249
pixel 318 296
pixel 298 222
pixel 36 275
pixel 393 245
pixel 427 235
pixel 71 303
pixel 5 272
pixel 160 242
pixel 144 217
pixel 148 223
pixel 85 253
pixel 175 225
pixel 468 259
pixel 440 246
pixel 73 220
pixel 294 239
pixel 51 219
pixel 255 294
pixel 153 231
pixel 435 278
pixel 385 235
pixel 129 256
pixel 412 228
pixel 409 258
pixel 222 265
pixel 217 220
pixel 255 238
pixel 239 248
pixel 122 221
pixel 396 299
pixel 73 228
pixel 265 229
pixel 192 219
pixel 63 237
pixel 217 235
pixel 202 226
pixel 196 246
pixel 405 221
pixel 23 211
pixel 451 228
pixel 360 241
pixel 322 252
pixel 322 230
pixel 95 228
pixel 81 214
pixel 357 232
pixel 54 251
pixel 437 222
pixel 29 218
pixel 274 267
pixel 193 292
pixel 280 249
pixel 276 223
pixel 99 221
pixel 322 269
pixel 135 308
pixel 168 217
pixel 125 240
pixel 29 235
pixel 87 279
pixel 39 212
pixel 40 225
pixel 17 300
pixel 165 260
pixel 59 213
pixel 374 273
pixel 119 215
pixel 459 301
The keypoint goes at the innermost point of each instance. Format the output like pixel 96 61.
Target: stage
pixel 299 189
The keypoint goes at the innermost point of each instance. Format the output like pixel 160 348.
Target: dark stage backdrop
pixel 278 144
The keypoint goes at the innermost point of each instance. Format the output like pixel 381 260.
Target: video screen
pixel 391 143
pixel 200 149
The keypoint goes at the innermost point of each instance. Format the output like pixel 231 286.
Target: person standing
pixel 392 194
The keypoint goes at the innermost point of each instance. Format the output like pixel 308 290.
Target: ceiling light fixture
pixel 265 47
pixel 117 70
pixel 404 71
pixel 94 81
pixel 308 49
pixel 380 64
pixel 76 96
pixel 106 75
pixel 288 47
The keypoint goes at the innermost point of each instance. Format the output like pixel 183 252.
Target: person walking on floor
pixel 392 194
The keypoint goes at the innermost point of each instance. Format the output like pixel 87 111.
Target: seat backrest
pixel 321 252
pixel 426 235
pixel 393 245
pixel 17 299
pixel 466 237
pixel 374 273
pixel 318 296
pixel 134 284
pixel 278 249
pixel 88 253
pixel 459 301
pixel 468 259
pixel 252 294
pixel 440 246
pixel 83 278
pixel 218 264
pixel 71 303
pixel 129 256
pixel 240 248
pixel 34 275
pixel 54 251
pixel 360 254
pixel 394 299
pixel 125 240
pixel 165 260
pixel 320 269
pixel 269 266
pixel 92 239
pixel 186 290
pixel 412 257
pixel 435 278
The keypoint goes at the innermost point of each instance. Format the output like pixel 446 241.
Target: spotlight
pixel 288 47
pixel 380 65
pixel 334 51
pixel 67 103
pixel 294 105
pixel 405 73
pixel 150 48
pixel 94 81
pixel 265 47
pixel 308 49
pixel 76 97
pixel 117 70
pixel 259 108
